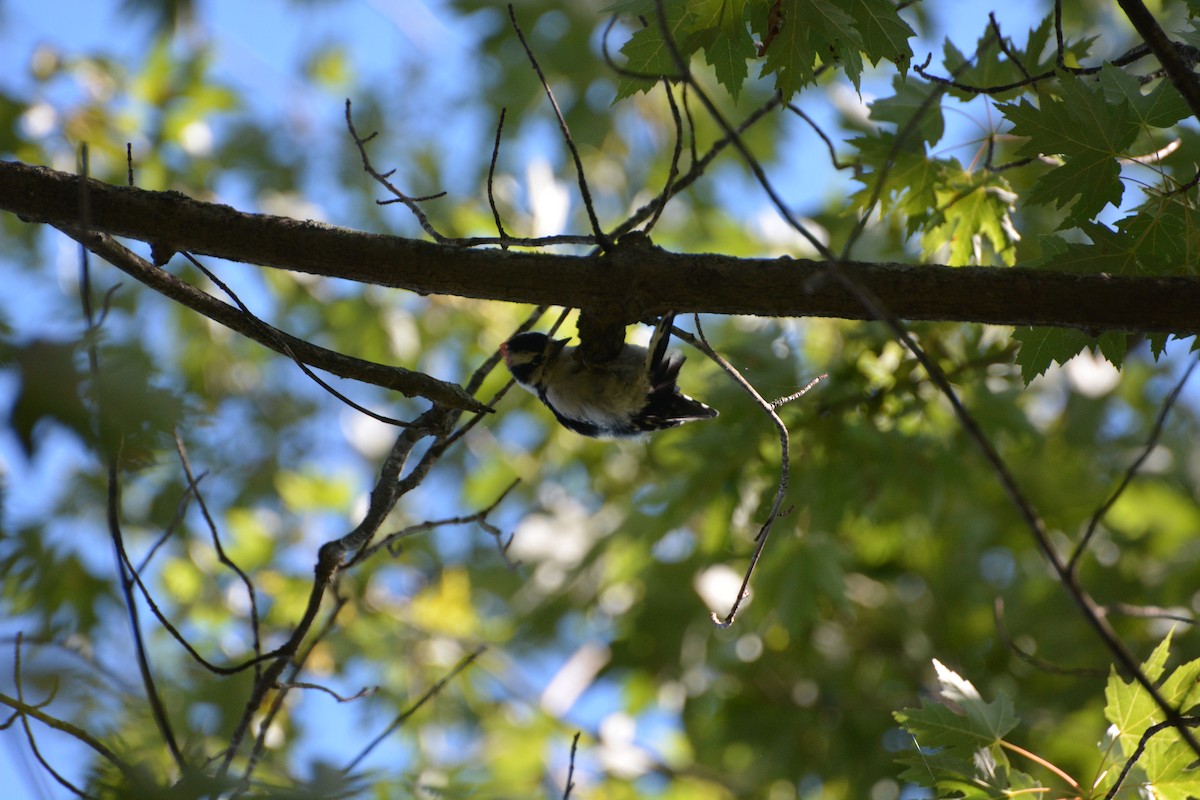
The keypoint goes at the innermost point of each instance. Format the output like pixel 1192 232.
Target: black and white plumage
pixel 635 393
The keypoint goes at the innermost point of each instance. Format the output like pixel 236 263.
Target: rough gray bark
pixel 630 283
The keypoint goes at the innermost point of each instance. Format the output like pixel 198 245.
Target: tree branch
pixel 407 382
pixel 1164 50
pixel 634 283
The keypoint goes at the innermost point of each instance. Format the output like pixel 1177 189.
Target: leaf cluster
pixel 961 749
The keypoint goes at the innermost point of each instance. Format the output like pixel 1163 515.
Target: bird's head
pixel 527 355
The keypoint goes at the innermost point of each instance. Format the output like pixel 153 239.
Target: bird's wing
pixel 657 350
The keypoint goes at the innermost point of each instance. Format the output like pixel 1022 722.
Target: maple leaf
pixel 914 107
pixel 1089 132
pixel 973 208
pixel 1166 760
pixel 1041 347
pixel 885 34
pixel 719 28
pixel 648 55
pixel 1161 107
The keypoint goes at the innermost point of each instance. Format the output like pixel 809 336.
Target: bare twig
pixel 432 692
pixel 571 767
pixel 366 691
pixel 391 541
pixel 1181 723
pixel 1150 612
pixel 288 351
pixel 172 526
pixel 411 384
pixel 833 158
pixel 24 717
pixel 1151 443
pixel 283 689
pixel 491 175
pixel 699 165
pixel 194 486
pixel 125 570
pixel 716 115
pixel 388 488
pixel 1029 658
pixel 601 238
pixel 673 170
pixel 764 532
pixel 413 205
pixel 1004 48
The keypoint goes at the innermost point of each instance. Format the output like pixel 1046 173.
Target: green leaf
pixel 1130 708
pixel 958 741
pixel 50 390
pixel 973 208
pixel 1166 761
pixel 1164 235
pixel 885 35
pixel 975 724
pixel 915 107
pixel 989 67
pixel 647 53
pixel 1113 346
pixel 1158 344
pixel 792 55
pixel 719 28
pixel 1041 347
pixel 1161 107
pixel 1089 132
pixel 840 35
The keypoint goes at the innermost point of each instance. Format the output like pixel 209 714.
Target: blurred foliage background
pixel 899 544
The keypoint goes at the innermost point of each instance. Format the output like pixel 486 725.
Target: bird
pixel 628 396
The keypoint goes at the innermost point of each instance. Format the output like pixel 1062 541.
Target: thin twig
pixel 1035 758
pixel 366 691
pixel 37 753
pixel 172 526
pixel 833 158
pixel 390 542
pixel 700 165
pixel 409 383
pixel 673 170
pixel 571 767
pixel 286 349
pixel 126 574
pixel 491 175
pixel 388 488
pixel 1059 47
pixel 282 690
pixel 602 238
pixel 764 532
pixel 432 692
pixel 1151 443
pixel 1149 612
pixel 412 203
pixel 1147 735
pixel 995 26
pixel 194 485
pixel 751 162
pixel 1029 658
